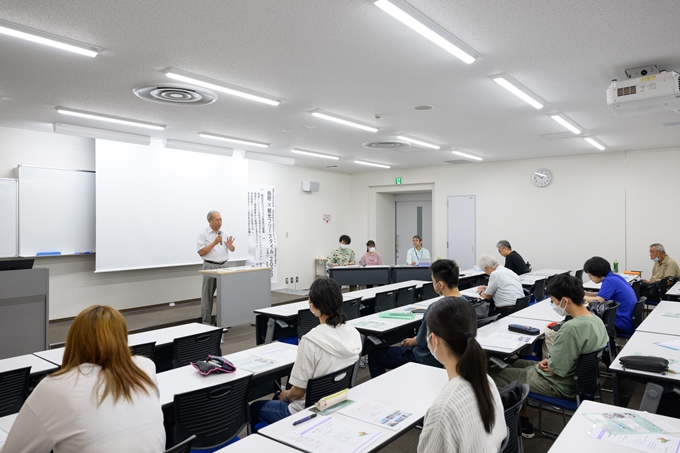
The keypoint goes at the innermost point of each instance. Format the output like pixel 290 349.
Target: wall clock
pixel 541 177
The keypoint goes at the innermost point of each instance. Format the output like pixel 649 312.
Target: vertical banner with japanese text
pixel 262 246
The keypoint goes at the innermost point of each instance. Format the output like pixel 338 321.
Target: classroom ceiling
pixel 349 58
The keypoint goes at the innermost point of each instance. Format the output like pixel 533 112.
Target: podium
pixel 24 311
pixel 241 291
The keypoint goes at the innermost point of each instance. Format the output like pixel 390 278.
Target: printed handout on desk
pixel 281 355
pixel 255 363
pixel 673 344
pixel 672 315
pixel 617 423
pixel 506 340
pixel 372 325
pixel 332 435
pixel 651 443
pixel 377 414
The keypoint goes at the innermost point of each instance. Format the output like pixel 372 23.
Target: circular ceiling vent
pixel 387 144
pixel 173 93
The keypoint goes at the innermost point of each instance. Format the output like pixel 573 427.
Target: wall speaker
pixel 310 186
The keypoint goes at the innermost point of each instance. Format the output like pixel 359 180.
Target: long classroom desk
pixel 591 286
pixel 361 275
pixel 255 443
pixel 540 311
pixel 423 383
pixel 274 322
pixel 673 293
pixel 39 366
pixel 665 319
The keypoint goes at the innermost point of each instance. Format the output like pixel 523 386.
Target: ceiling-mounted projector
pixel 645 94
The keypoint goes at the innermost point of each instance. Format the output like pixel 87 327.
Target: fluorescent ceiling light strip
pixel 371 164
pixel 93 132
pixel 47 39
pixel 346 122
pixel 427 28
pixel 308 153
pixel 467 156
pixel 109 119
pixel 519 90
pixel 269 158
pixel 199 147
pixel 566 123
pixel 596 143
pixel 233 140
pixel 221 86
pixel 418 142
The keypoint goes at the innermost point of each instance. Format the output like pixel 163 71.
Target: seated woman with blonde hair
pixel 101 400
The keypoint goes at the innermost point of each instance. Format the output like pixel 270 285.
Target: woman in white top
pixel 102 400
pixel 329 347
pixel 468 415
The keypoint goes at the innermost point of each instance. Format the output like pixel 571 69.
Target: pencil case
pixel 214 364
pixel 332 400
pixel 645 363
pixel 527 330
pixel 396 315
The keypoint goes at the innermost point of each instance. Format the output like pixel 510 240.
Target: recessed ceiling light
pixel 566 122
pixel 341 120
pixel 309 153
pixel 269 158
pixel 418 142
pixel 595 142
pixel 519 90
pixel 109 119
pixel 47 39
pixel 233 140
pixel 199 147
pixel 467 156
pixel 105 134
pixel 426 27
pixel 371 164
pixel 221 86
pixel 424 107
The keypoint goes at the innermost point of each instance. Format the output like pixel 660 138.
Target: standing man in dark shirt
pixel 513 260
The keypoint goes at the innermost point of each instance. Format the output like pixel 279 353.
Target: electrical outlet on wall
pixel 297 279
pixel 286 281
pixel 291 280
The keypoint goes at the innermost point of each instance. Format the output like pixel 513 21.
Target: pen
pixel 302 420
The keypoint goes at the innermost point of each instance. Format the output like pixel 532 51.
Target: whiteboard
pixel 8 218
pixel 152 202
pixel 56 211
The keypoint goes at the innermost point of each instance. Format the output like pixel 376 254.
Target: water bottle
pixel 616 266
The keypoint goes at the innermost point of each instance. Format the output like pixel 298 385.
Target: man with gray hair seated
pixel 664 266
pixel 513 260
pixel 504 286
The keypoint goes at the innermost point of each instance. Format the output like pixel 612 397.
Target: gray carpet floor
pixel 242 337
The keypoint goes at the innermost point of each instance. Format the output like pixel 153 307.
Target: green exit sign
pixel 397 181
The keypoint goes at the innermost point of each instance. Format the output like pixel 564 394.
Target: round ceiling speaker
pixel 174 93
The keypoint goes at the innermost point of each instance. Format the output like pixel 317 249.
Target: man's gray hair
pixel 211 214
pixel 487 261
pixel 503 244
pixel 658 247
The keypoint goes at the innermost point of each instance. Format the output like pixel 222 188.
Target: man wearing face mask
pixel 554 376
pixel 664 266
pixel 343 255
pixel 445 282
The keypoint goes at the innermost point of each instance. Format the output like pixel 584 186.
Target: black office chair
pixel 385 301
pixel 513 443
pixel 145 349
pixel 306 322
pixel 636 288
pixel 587 386
pixel 352 308
pixel 579 274
pixel 13 390
pixel 193 348
pixel 428 291
pixel 522 302
pixel 406 296
pixel 215 415
pixel 609 319
pixel 539 290
pixel 328 384
pixel 637 318
pixel 182 447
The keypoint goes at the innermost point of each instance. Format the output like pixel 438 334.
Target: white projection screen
pixel 152 202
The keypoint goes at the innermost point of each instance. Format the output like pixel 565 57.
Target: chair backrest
pixel 352 308
pixel 651 398
pixel 428 291
pixel 511 411
pixel 528 267
pixel 214 414
pixel 636 288
pixel 539 290
pixel 609 317
pixel 328 384
pixel 145 349
pixel 637 313
pixel 587 375
pixel 522 302
pixel 385 301
pixel 195 347
pixel 579 274
pixel 306 322
pixel 13 390
pixel 406 296
pixel 182 447
pixel 484 321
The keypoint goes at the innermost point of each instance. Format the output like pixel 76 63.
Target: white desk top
pixel 6 423
pixel 574 437
pixel 471 292
pixel 540 311
pixel 470 273
pixel 358 266
pixel 428 383
pixel 675 290
pixel 375 324
pixel 590 286
pixel 256 444
pixel 161 336
pixel 37 364
pixel 530 279
pixel 486 333
pixel 642 343
pixel 656 322
pixel 550 272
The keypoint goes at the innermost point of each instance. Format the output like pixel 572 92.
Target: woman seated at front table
pixel 468 414
pixel 371 257
pixel 101 400
pixel 445 283
pixel 329 347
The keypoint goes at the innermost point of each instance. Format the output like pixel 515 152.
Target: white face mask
pixel 656 260
pixel 434 353
pixel 435 289
pixel 343 246
pixel 371 249
pixel 559 309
